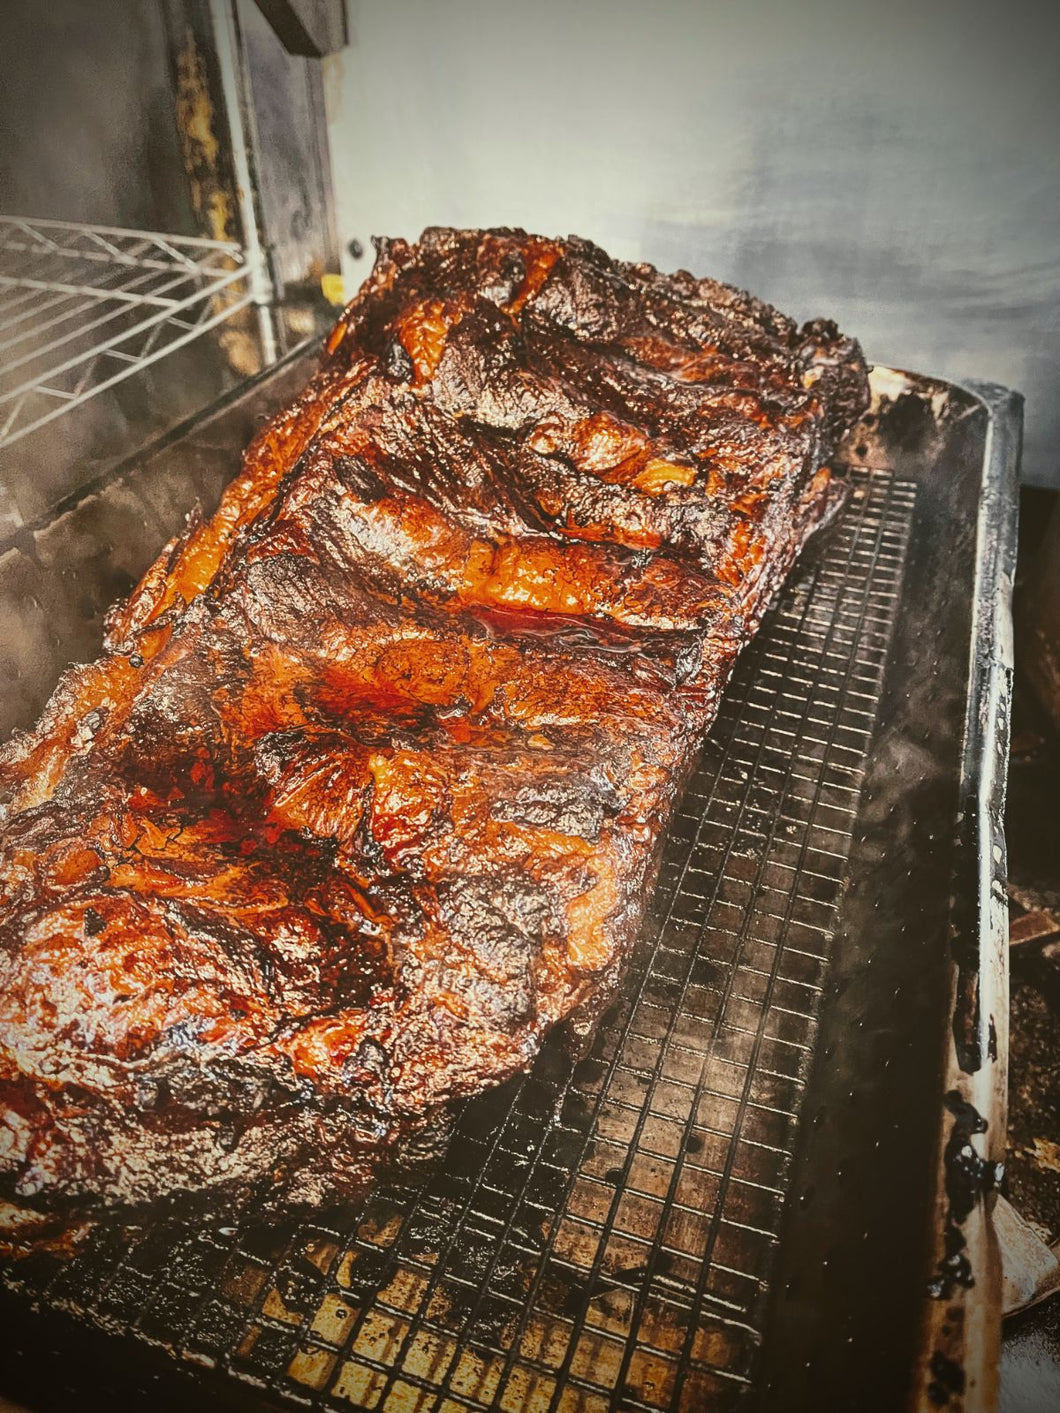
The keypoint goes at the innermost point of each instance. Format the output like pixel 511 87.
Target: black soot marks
pixel 968 1177
pixel 947 1379
pixel 908 422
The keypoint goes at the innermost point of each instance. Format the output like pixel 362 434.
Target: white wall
pixel 896 166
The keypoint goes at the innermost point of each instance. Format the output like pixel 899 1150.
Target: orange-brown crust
pixel 362 797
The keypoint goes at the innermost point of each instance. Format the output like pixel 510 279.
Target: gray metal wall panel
pixel 896 166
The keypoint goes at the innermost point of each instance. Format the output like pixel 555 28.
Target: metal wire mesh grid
pixel 598 1238
pixel 83 307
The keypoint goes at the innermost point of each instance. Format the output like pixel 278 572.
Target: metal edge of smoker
pixel 959 1357
pixel 887 1287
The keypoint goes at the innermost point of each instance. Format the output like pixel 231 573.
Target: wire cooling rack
pixel 598 1237
pixel 84 307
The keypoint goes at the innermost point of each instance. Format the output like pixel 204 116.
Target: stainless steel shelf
pixel 83 307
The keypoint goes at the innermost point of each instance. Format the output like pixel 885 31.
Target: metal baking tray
pixel 768 1183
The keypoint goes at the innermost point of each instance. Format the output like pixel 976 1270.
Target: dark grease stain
pixel 300 1283
pixel 947 1379
pixel 908 422
pixel 968 1177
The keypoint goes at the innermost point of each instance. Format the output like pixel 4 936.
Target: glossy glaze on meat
pixel 363 797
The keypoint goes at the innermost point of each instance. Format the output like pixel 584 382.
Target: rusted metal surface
pixel 206 150
pixel 1038 925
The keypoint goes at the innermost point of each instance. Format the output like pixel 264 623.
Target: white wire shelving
pixel 83 307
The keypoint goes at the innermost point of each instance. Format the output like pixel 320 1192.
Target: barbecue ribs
pixel 363 797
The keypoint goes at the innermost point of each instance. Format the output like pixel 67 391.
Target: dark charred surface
pixel 363 797
pixel 968 1176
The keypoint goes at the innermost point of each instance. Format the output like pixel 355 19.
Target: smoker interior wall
pixel 896 166
pixel 88 133
pixel 87 130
